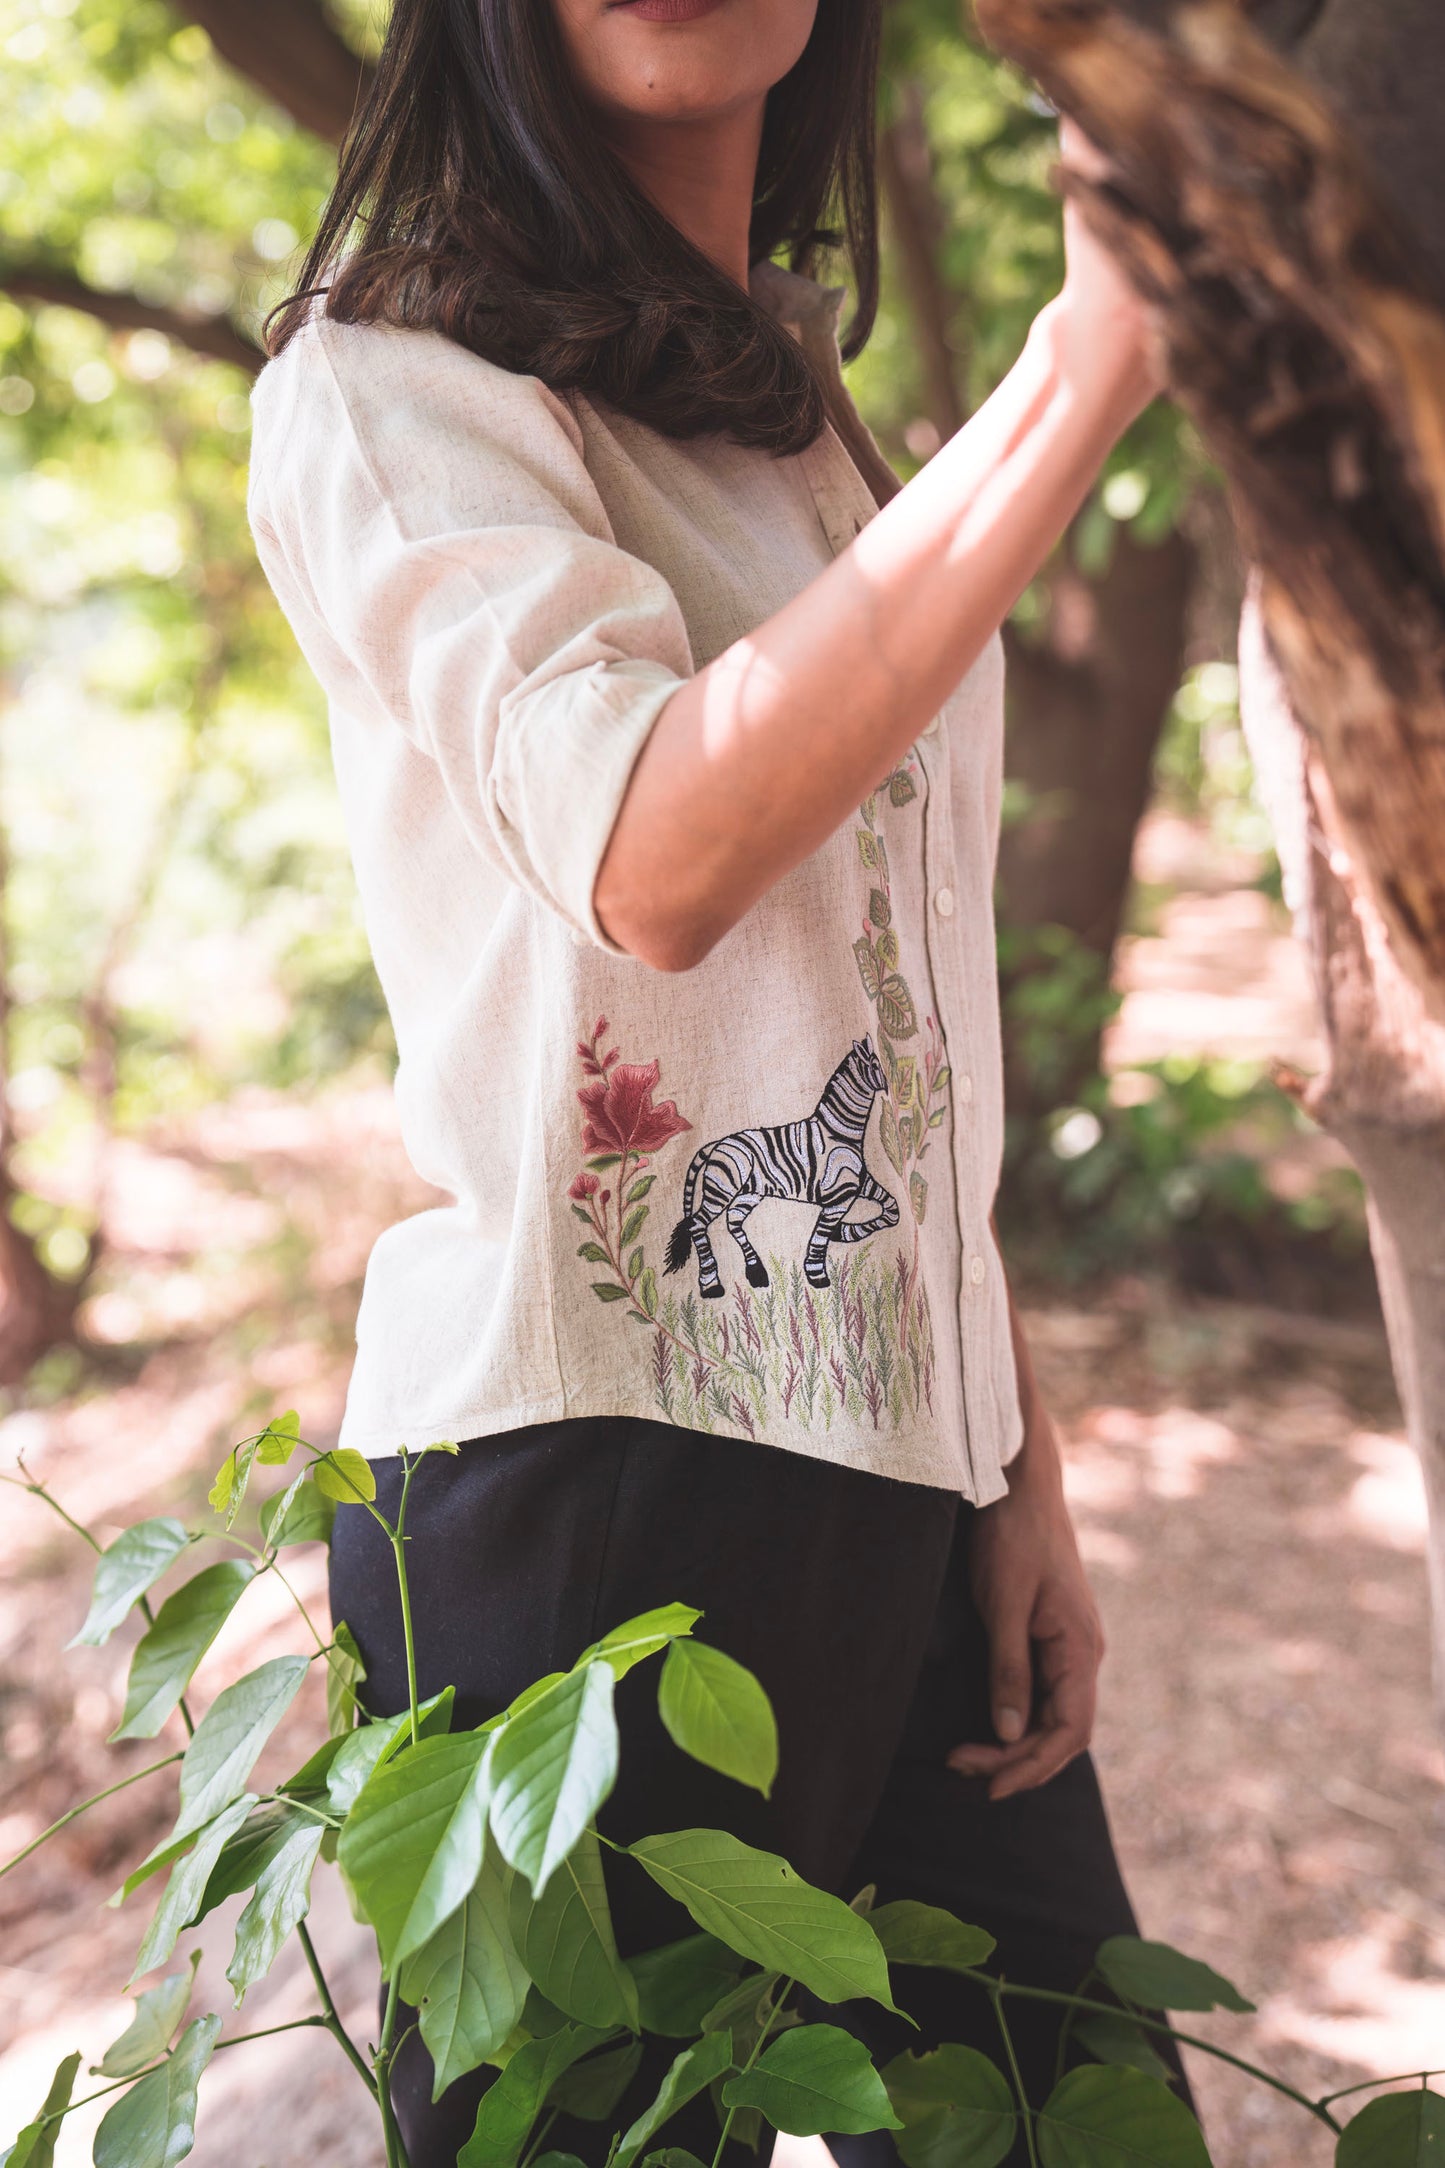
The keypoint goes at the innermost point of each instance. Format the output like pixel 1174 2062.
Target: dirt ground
pixel 1252 1517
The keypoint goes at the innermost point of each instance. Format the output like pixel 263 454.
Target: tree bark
pixel 292 52
pixel 215 336
pixel 1301 329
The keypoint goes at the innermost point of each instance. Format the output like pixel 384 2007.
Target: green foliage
pixel 168 1652
pixel 132 1564
pixel 475 1858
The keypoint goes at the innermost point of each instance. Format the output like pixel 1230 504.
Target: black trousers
pixel 847 1593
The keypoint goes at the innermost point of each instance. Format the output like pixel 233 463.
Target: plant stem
pixel 1026 2113
pixel 1407 2077
pixel 332 2018
pixel 1153 2024
pixel 398 1545
pixel 117 2085
pixel 539 2139
pixel 84 1807
pixel 391 2136
pixel 759 2044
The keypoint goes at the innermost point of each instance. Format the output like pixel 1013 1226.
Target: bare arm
pixel 758 758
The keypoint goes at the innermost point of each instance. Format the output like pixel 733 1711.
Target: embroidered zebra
pixel 819 1160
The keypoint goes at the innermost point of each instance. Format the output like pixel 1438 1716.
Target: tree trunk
pixel 291 52
pixel 1301 329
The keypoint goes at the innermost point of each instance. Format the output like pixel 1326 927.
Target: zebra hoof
pixel 757 1274
pixel 823 1285
pixel 712 1294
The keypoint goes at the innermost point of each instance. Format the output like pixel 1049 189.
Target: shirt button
pixel 943 903
pixel 965 1091
pixel 976 1271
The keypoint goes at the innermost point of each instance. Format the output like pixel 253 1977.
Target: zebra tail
pixel 679 1249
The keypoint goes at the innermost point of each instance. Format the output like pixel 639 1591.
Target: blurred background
pixel 196 1138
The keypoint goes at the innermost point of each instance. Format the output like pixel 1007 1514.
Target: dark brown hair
pixel 475 197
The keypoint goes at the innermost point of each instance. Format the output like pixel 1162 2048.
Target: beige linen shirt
pixel 752 1198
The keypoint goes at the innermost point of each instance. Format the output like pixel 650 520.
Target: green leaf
pixel 229 1738
pixel 593 1252
pixel 641 1637
pixel 299 1514
pixel 564 1938
pixel 1160 1978
pixel 1103 2117
pixel 510 2107
pixel 919 1934
pixel 360 1754
pixel 1111 2039
pixel 691 2073
pixel 634 1263
pixel 902 789
pixel 1400 2130
pixel 888 1136
pixel 343 1474
pixel 592 2088
pixel 245 1856
pixel 279 1440
pixel 918 1195
pixel 344 1673
pixel 277 1906
pixel 867 848
pixel 958 2108
pixel 167 1653
pixel 35 2146
pixel 182 1897
pixel 679 1983
pixel 411 1847
pixel 467 1981
pixel 124 1571
pixel 880 910
pixel 609 1291
pixel 601 1161
pixel 157 2014
pixel 552 1766
pixel 758 1905
pixel 744 2010
pixel 676 2156
pixel 632 1225
pixel 868 970
pixel 154 2124
pixel 640 1188
pixel 715 1710
pixel 647 1291
pixel 814 2079
pixel 896 1012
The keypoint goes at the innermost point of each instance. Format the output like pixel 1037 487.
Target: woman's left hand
pixel 1045 1639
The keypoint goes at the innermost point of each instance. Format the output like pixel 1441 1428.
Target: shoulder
pixel 383 391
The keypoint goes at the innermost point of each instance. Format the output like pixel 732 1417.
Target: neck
pixel 700 174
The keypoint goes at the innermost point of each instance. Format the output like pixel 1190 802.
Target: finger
pixel 1067 1731
pixel 1010 1673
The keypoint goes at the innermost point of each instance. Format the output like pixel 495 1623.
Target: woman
pixel 668 728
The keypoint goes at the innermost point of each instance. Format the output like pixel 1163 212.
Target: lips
pixel 664 11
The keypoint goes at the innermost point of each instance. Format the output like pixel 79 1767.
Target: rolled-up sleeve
pixel 429 524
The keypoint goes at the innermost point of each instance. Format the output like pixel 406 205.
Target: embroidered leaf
pixel 647 1291
pixel 603 1160
pixel 938 1116
pixel 593 1252
pixel 868 848
pixel 609 1291
pixel 880 910
pixel 918 1196
pixel 943 1079
pixel 888 950
pixel 904 1073
pixel 895 1008
pixel 882 859
pixel 889 1060
pixel 905 1135
pixel 632 1225
pixel 888 1131
pixel 639 1189
pixel 868 970
pixel 902 789
pixel 585 1217
pixel 634 1263
pixel 869 807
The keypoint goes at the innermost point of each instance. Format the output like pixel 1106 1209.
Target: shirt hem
pixel 935 1471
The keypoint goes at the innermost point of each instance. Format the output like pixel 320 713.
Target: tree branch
pixel 291 52
pixel 215 336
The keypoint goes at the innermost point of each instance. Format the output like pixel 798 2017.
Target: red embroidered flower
pixel 620 1114
pixel 584 1186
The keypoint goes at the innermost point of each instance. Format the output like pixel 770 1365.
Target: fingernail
pixel 1010 1725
